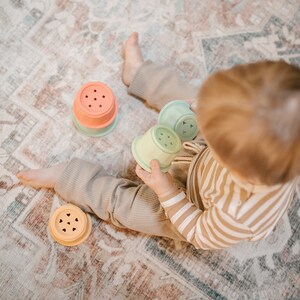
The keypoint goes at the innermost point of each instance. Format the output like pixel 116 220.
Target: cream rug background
pixel 48 49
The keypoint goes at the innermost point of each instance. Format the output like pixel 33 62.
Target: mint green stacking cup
pixel 160 143
pixel 178 116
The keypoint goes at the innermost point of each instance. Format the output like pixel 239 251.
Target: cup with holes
pixel 69 225
pixel 160 143
pixel 95 109
pixel 178 116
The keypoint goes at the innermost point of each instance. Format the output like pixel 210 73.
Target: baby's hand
pixel 193 104
pixel 161 183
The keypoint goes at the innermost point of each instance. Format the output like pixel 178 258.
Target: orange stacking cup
pixel 69 225
pixel 95 109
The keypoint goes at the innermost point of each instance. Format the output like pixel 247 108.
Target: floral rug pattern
pixel 48 49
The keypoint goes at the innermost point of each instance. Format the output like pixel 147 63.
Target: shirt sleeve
pixel 209 229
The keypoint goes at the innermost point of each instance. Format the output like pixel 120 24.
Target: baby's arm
pixel 209 229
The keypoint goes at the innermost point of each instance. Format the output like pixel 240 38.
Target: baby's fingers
pixel 155 167
pixel 141 173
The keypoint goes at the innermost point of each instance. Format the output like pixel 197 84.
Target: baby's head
pixel 250 117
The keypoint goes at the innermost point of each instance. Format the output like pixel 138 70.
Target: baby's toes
pixel 33 178
pixel 24 175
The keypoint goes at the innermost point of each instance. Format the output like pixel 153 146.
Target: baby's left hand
pixel 161 183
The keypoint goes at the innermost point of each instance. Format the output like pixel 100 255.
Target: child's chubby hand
pixel 193 104
pixel 161 183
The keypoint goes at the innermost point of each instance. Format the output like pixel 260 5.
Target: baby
pixel 234 187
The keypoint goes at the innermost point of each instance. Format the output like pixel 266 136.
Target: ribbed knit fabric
pixel 120 201
pixel 159 85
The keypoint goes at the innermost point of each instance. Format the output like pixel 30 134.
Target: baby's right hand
pixel 161 183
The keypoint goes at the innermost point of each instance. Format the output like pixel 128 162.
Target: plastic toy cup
pixel 69 225
pixel 95 109
pixel 160 143
pixel 178 116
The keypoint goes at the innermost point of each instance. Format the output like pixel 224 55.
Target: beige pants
pixel 123 202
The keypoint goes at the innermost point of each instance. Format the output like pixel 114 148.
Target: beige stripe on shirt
pixel 232 213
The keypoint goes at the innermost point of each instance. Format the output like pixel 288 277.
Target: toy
pixel 95 109
pixel 178 116
pixel 69 225
pixel 159 142
pixel 176 123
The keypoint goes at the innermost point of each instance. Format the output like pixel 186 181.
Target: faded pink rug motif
pixel 48 49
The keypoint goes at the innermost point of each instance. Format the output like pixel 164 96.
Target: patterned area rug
pixel 48 49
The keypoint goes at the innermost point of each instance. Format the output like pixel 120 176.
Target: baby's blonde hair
pixel 250 116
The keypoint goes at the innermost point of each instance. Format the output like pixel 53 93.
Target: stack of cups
pixel 176 123
pixel 95 109
pixel 160 143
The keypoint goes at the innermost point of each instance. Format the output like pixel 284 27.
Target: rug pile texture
pixel 48 49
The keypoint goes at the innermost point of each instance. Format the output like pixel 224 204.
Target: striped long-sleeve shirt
pixel 233 211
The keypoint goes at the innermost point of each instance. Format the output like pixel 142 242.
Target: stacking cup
pixel 95 109
pixel 69 225
pixel 178 116
pixel 160 143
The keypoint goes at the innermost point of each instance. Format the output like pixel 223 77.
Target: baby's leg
pixel 46 177
pixel 123 202
pixel 133 58
pixel 157 85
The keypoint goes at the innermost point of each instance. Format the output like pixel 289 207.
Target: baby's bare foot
pixel 46 178
pixel 133 58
